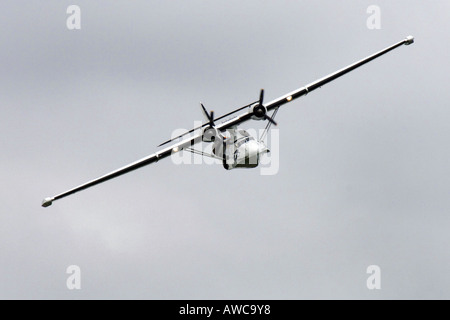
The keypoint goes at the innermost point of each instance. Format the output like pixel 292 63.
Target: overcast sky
pixel 364 176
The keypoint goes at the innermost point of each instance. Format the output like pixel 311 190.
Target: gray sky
pixel 364 173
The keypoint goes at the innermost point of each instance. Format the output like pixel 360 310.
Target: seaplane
pixel 231 145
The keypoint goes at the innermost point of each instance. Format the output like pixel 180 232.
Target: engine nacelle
pixel 210 134
pixel 213 135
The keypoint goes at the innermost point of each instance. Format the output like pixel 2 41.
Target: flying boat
pixel 231 145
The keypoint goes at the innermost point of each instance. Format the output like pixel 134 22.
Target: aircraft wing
pixel 227 124
pixel 319 83
pixel 164 153
pixel 299 92
pixel 312 86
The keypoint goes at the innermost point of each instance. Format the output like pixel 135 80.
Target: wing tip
pixel 47 202
pixel 409 40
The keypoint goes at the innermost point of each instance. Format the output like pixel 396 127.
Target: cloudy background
pixel 364 171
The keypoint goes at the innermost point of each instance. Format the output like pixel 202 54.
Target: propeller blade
pixel 211 119
pixel 266 117
pixel 206 113
pixel 261 97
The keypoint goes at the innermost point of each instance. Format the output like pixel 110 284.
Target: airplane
pixel 233 146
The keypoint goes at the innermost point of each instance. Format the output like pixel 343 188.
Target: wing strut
pixel 269 124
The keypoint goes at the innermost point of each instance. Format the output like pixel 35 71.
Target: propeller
pixel 212 125
pixel 204 125
pixel 209 116
pixel 260 111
